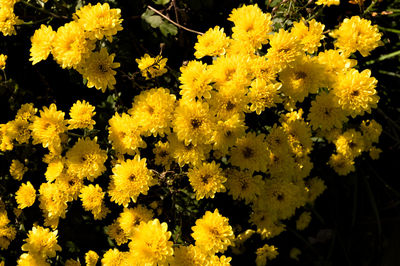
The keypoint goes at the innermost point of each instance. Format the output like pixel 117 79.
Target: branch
pixel 173 22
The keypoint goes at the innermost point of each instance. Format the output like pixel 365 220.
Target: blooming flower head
pixel 70 45
pixel 310 34
pixel 17 169
pixel 206 180
pixel 8 20
pixel 243 185
pixel 151 67
pixel 350 143
pixel 26 195
pixel 341 164
pixel 42 41
pixel 252 26
pixel 91 258
pixel 86 159
pixel 93 200
pixel 213 233
pixel 188 255
pixel 150 245
pixel 212 43
pixel 41 241
pixel 131 218
pixel 263 95
pixel 98 69
pixel 3 59
pixel 26 112
pixel 355 92
pixel 81 114
pixel 130 179
pixel 47 128
pixel 195 79
pixel 227 132
pixel 357 34
pixel 328 2
pixel 265 253
pixel 53 202
pixel 19 129
pixel 153 111
pixel 99 21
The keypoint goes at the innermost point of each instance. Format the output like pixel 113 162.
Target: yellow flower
pixel 265 253
pixel 53 202
pixel 19 128
pixel 47 128
pixel 188 255
pixel 17 170
pixel 26 112
pixel 213 233
pixel 3 59
pixel 342 164
pixel 153 111
pixel 227 132
pixel 356 92
pixel 115 232
pixel 70 45
pixel 350 143
pixel 99 21
pixel 206 180
pixel 130 218
pixel 195 79
pixel 86 159
pixel 212 43
pixel 26 195
pixel 93 200
pixel 231 71
pixel 81 114
pixel 187 154
pixel 7 231
pixel 357 34
pixel 113 257
pixel 371 131
pixel 263 95
pixel 328 2
pixel 162 154
pixel 98 69
pixel 325 113
pixel 250 152
pixel 124 134
pixel 150 245
pixel 152 67
pixel 130 179
pixel 193 123
pixel 91 258
pixel 29 259
pixel 285 48
pixel 252 26
pixel 310 34
pixel 42 41
pixel 8 20
pixel 242 185
pixel 41 241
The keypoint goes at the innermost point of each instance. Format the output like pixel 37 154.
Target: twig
pixel 173 22
pixel 43 10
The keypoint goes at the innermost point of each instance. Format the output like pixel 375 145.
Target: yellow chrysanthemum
pixel 212 43
pixel 302 78
pixel 47 128
pixel 250 152
pixel 86 159
pixel 31 259
pixel 41 241
pixel 150 245
pixel 70 46
pixel 263 95
pixel 341 164
pixel 98 69
pixel 310 34
pixel 19 129
pixel 357 34
pixel 8 20
pixel 231 71
pixel 213 233
pixel 26 195
pixel 130 218
pixel 113 257
pixel 124 134
pixel 99 21
pixel 285 48
pixel 325 113
pixel 151 67
pixel 328 2
pixel 252 26
pixel 227 132
pixel 93 200
pixel 371 131
pixel 53 202
pixel 265 253
pixel 81 114
pixel 115 232
pixel 26 112
pixel 207 180
pixel 356 92
pixel 3 59
pixel 188 255
pixel 153 111
pixel 195 79
pixel 187 154
pixel 70 185
pixel 42 41
pixel 242 185
pixel 350 143
pixel 17 170
pixel 162 154
pixel 193 123
pixel 130 179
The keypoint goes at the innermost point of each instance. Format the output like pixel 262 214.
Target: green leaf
pixel 154 20
pixel 161 2
pixel 168 28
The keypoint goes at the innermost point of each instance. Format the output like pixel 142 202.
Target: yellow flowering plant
pixel 149 142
